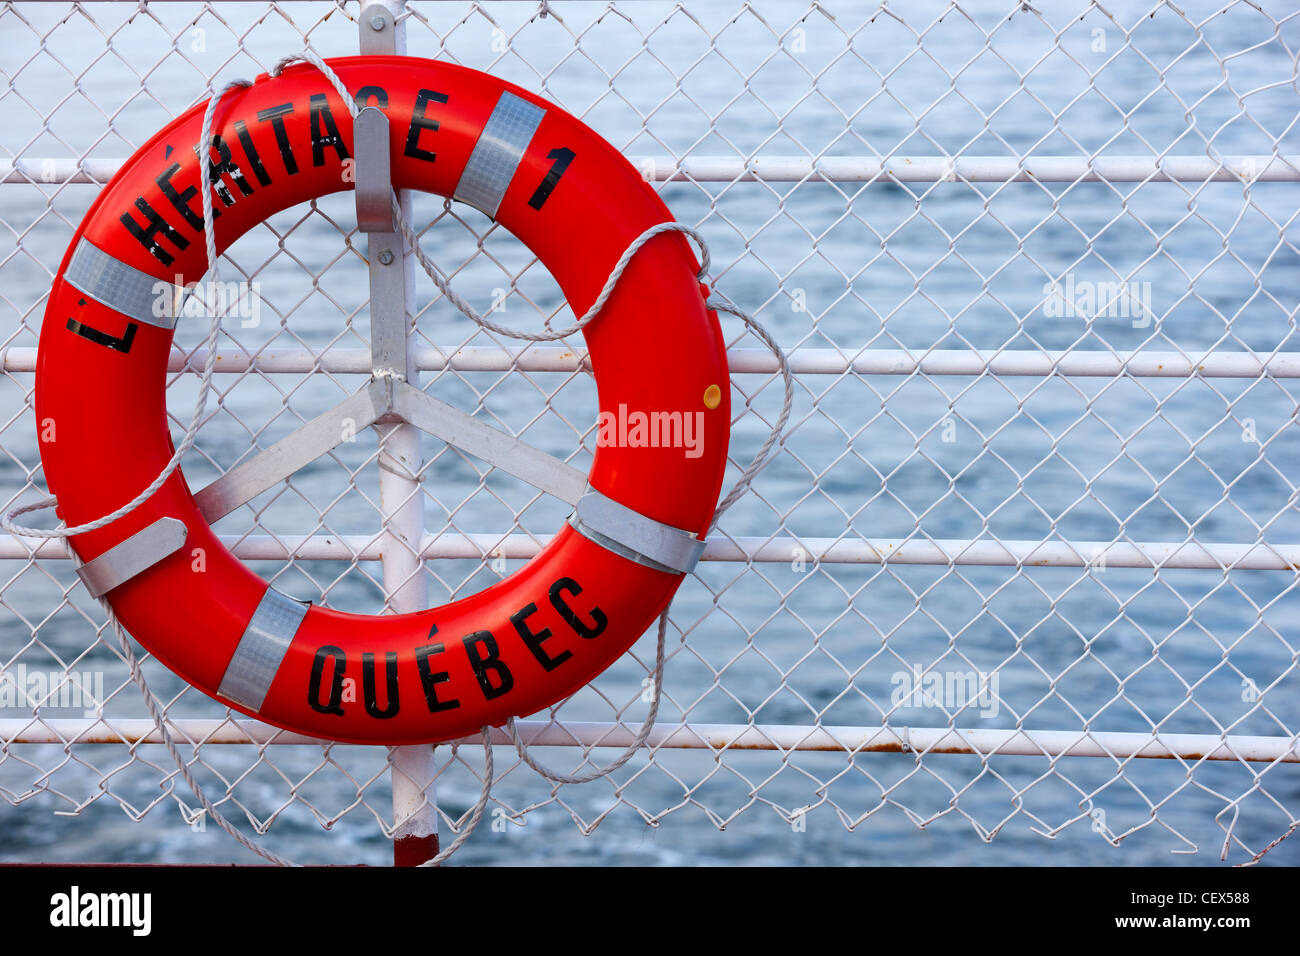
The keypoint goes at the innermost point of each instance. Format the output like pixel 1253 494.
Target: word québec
pixel 493 676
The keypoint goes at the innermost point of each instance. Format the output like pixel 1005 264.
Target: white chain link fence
pixel 1034 526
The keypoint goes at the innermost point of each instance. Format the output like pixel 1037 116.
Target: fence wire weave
pixel 1025 567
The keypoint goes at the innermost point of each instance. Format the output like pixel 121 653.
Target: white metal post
pixel 392 288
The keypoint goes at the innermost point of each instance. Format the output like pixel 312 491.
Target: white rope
pixel 476 814
pixel 412 240
pixel 200 404
pixel 637 742
pixel 155 711
pixel 137 675
pixel 713 302
pixel 169 742
pixel 205 381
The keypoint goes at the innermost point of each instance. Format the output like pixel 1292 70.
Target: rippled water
pixel 878 266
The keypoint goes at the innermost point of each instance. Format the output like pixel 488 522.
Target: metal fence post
pixel 392 282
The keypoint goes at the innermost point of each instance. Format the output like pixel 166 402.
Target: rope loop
pixel 714 302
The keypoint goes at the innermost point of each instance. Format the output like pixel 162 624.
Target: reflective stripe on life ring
pixel 523 643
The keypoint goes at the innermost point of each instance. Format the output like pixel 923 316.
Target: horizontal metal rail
pixel 839 169
pixel 1092 363
pixel 789 738
pixel 961 552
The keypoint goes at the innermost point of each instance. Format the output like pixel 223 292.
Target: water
pixel 843 266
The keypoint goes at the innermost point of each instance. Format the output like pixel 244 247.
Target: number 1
pixel 562 156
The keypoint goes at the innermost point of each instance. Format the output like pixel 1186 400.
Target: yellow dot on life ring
pixel 712 397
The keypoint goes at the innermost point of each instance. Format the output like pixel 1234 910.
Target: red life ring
pixel 514 648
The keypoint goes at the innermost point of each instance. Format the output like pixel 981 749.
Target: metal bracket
pixel 128 558
pixel 632 535
pixel 601 519
pixel 387 398
pixel 377 34
pixel 374 203
pixel 326 431
pixel 544 472
pixel 374 192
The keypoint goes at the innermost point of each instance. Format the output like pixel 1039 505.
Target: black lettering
pixel 254 160
pixel 180 200
pixel 276 115
pixel 562 157
pixel 378 92
pixel 156 225
pixel 486 665
pixel 324 131
pixel 580 627
pixel 430 679
pixel 368 689
pixel 226 166
pixel 421 122
pixel 533 640
pixel 335 703
pixel 122 345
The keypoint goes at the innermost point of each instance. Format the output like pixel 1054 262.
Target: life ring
pixel 513 649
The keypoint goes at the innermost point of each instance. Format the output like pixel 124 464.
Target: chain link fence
pixel 1021 585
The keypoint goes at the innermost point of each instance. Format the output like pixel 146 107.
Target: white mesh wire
pixel 1035 522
